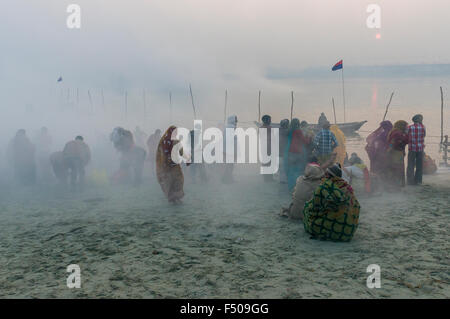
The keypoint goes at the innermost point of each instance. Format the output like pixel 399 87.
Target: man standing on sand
pixel 324 143
pixel 76 156
pixel 416 146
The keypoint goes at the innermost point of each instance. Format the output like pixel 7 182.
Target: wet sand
pixel 225 241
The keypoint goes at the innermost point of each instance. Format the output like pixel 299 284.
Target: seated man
pixel 333 212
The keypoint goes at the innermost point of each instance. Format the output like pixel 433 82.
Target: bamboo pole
pixel 343 90
pixel 192 100
pixel 442 117
pixel 292 104
pixel 387 106
pixel 334 110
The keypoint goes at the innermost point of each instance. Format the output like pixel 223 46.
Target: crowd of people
pixel 313 164
pixel 323 196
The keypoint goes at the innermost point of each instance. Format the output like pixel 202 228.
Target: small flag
pixel 337 66
pixel 60 79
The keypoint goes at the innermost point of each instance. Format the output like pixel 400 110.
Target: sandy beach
pixel 225 241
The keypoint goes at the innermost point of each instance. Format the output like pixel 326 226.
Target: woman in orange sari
pixel 169 173
pixel 397 140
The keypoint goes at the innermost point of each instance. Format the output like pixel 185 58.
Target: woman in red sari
pixel 169 173
pixel 377 147
pixel 397 139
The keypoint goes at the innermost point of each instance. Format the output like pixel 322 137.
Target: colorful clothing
pixel 397 139
pixel 340 148
pixel 169 174
pixel 304 189
pixel 324 142
pixel 416 135
pixel 333 212
pixel 295 158
pixel 377 146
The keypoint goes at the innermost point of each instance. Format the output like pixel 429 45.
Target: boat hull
pixel 346 128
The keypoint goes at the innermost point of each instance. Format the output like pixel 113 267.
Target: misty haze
pixel 88 116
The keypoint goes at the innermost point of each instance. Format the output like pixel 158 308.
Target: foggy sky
pixel 167 43
pixel 164 45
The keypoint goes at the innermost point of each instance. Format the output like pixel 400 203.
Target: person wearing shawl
pixel 397 140
pixel 169 173
pixel 304 188
pixel 21 155
pixel 377 146
pixel 283 138
pixel 333 212
pixel 340 148
pixel 358 175
pixel 295 153
pixel 308 133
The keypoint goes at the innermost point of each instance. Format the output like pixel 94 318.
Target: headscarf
pixel 313 172
pixel 166 145
pixel 377 140
pixel 335 170
pixel 398 126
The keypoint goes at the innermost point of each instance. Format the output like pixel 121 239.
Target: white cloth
pixel 354 171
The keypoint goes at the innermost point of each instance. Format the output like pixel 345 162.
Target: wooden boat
pixel 347 128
